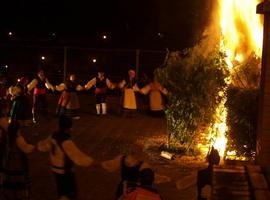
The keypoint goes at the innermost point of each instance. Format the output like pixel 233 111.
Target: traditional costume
pixel 39 84
pixel 101 84
pixel 68 103
pixel 15 164
pixel 63 154
pixel 156 92
pixel 20 108
pixel 129 87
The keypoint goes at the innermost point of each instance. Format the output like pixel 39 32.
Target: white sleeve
pixel 164 91
pixel 112 165
pixel 76 155
pixel 23 145
pixel 32 84
pixel 44 145
pixel 122 84
pixel 60 87
pixel 90 83
pixel 79 88
pixel 146 89
pixel 109 84
pixel 48 85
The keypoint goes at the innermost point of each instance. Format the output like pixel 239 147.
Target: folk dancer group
pixel 63 152
pixel 68 103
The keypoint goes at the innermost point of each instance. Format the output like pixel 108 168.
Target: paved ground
pixel 103 138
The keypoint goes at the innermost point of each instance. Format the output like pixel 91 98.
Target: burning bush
pixel 242 107
pixel 242 104
pixel 195 82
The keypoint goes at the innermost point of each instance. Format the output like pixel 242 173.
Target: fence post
pixel 65 64
pixel 137 62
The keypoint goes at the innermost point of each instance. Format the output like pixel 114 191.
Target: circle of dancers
pixel 26 101
pixel 68 104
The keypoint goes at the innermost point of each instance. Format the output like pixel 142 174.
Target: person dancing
pixel 68 103
pixel 39 84
pixel 101 83
pixel 129 87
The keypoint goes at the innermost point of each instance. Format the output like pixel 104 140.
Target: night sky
pixel 144 24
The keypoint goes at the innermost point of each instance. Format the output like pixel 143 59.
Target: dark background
pixel 44 27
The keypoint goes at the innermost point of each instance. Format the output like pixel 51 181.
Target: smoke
pixel 211 36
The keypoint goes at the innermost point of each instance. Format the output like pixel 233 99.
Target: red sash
pixel 38 91
pixel 100 91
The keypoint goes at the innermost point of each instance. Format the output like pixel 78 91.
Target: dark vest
pixel 101 83
pixel 130 83
pixel 71 86
pixel 60 137
pixel 41 83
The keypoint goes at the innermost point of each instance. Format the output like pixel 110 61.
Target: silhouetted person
pixel 205 176
pixel 129 87
pixel 129 166
pixel 63 154
pixel 68 103
pixel 101 84
pixel 15 161
pixel 144 190
pixel 40 84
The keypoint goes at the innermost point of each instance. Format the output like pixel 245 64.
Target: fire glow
pixel 241 34
pixel 241 28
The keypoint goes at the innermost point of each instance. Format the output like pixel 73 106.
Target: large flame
pixel 241 28
pixel 241 34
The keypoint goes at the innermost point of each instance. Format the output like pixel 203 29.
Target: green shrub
pixel 242 104
pixel 194 82
pixel 241 120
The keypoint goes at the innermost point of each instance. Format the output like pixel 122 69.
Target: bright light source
pixel 94 60
pixel 6 66
pixel 104 37
pixel 10 33
pixel 18 80
pixel 43 57
pixel 160 35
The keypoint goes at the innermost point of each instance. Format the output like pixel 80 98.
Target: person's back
pixel 60 162
pixel 63 153
pixel 16 149
pixel 15 171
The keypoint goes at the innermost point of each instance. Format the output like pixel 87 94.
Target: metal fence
pixel 57 62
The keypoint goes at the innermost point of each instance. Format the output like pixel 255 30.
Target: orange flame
pixel 241 28
pixel 242 34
